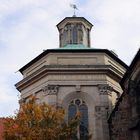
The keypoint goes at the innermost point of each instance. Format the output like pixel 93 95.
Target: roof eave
pixel 130 68
pixel 73 18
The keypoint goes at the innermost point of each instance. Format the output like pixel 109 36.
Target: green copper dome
pixel 75 46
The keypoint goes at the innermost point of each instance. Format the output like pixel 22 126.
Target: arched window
pixel 68 33
pixel 65 34
pixel 74 34
pixel 80 33
pixel 80 36
pixel 72 111
pixel 78 105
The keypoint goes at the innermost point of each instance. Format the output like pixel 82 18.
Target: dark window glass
pixel 75 34
pixel 83 122
pixel 83 109
pixel 64 37
pixel 71 111
pixel 77 102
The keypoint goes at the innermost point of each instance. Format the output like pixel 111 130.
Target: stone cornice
pixel 68 69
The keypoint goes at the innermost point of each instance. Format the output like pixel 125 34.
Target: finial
pixel 74 8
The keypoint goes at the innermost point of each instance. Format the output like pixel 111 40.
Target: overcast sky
pixel 27 27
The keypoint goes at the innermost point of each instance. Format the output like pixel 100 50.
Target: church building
pixel 124 120
pixel 76 77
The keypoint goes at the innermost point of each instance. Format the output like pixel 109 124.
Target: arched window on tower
pixel 75 106
pixel 74 34
pixel 64 36
pixel 80 34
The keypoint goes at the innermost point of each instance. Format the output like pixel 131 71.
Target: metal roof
pixel 74 46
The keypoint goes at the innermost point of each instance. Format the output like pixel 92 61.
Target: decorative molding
pixel 50 89
pixel 83 70
pixel 22 100
pixel 78 88
pixel 105 89
pixel 101 112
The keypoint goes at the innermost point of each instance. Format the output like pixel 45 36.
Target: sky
pixel 27 27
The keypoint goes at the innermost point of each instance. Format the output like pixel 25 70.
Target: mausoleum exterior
pixel 76 77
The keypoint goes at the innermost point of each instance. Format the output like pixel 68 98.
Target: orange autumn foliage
pixel 39 122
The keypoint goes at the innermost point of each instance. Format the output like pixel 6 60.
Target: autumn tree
pixel 40 122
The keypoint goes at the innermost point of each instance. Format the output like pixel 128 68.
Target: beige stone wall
pixel 98 89
pixel 109 61
pixel 72 87
pixel 73 59
pixel 65 59
pixel 64 79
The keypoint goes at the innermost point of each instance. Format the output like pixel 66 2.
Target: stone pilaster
pixel 105 92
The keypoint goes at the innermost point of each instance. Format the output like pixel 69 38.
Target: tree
pixel 40 122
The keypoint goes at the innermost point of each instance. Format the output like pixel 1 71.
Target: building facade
pixel 76 77
pixel 124 121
